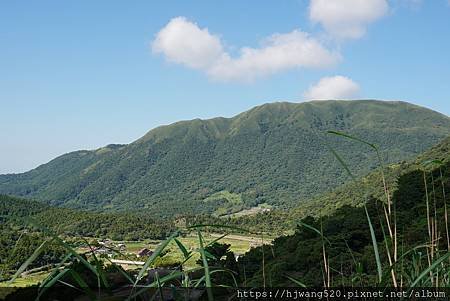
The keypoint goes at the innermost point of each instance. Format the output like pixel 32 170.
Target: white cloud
pixel 279 52
pixel 182 41
pixel 335 87
pixel 347 19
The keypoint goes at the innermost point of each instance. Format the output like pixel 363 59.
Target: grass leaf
pixel 29 261
pixel 296 281
pixel 153 257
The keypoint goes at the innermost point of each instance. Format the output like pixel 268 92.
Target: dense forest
pixel 419 198
pixel 18 244
pixel 275 154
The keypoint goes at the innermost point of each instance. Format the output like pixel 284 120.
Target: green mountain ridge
pixel 274 154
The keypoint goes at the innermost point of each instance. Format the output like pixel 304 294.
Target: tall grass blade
pixel 83 285
pixel 51 282
pixel 55 271
pixel 182 248
pixel 352 138
pixel 57 239
pixel 433 266
pixel 372 232
pixel 122 272
pixel 162 280
pixel 29 261
pixel 217 271
pixel 159 286
pixel 101 277
pixel 216 240
pixel 374 245
pixel 208 283
pixel 299 283
pixel 152 258
pixel 314 230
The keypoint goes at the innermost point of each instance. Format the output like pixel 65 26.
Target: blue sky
pixel 83 74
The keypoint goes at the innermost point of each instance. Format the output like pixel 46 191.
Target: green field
pixel 25 281
pixel 240 244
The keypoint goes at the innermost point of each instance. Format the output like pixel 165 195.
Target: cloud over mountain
pixel 334 87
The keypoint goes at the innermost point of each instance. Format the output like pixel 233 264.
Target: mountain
pixel 274 154
pixel 343 223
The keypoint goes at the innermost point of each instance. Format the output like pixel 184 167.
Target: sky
pixel 84 74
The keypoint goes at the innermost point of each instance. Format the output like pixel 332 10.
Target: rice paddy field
pixel 240 244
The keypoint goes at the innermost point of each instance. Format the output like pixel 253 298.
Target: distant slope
pixel 352 193
pixel 345 226
pixel 274 153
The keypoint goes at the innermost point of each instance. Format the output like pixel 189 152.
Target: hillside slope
pixel 350 193
pixel 345 227
pixel 353 193
pixel 274 153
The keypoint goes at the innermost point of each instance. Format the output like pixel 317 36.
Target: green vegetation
pixel 272 154
pixel 389 228
pixel 238 244
pixel 205 194
pixel 349 194
pixel 410 226
pixel 225 202
pixel 18 244
pixel 69 222
pixel 97 277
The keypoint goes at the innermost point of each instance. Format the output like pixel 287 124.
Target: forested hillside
pixel 70 222
pixel 351 194
pixel 420 202
pixel 272 154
